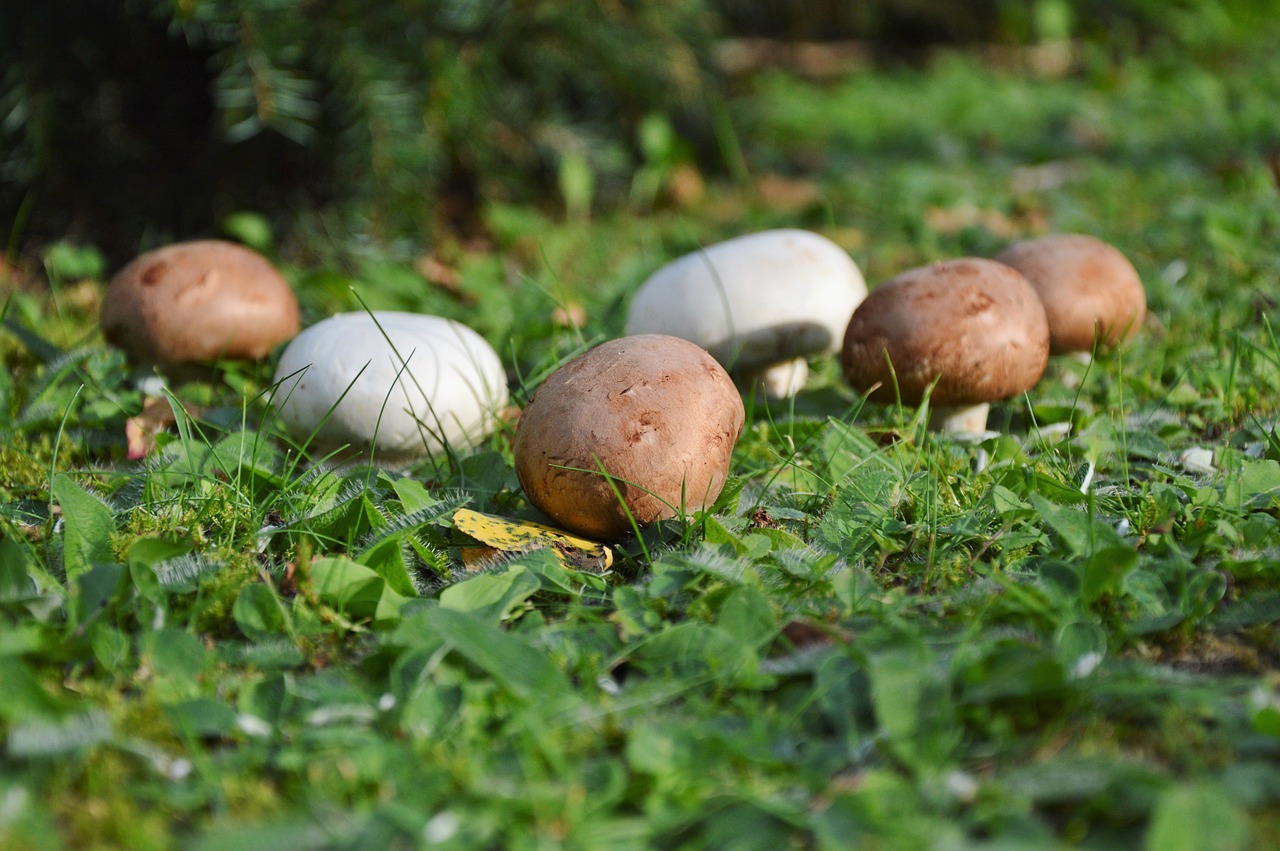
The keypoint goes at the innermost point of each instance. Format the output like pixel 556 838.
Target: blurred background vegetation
pixel 127 123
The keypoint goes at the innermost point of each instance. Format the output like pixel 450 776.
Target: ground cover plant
pixel 1063 634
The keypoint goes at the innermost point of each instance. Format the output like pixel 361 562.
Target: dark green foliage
pixel 903 26
pixel 127 123
pixel 136 122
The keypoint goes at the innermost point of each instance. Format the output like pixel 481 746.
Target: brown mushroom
pixel 198 301
pixel 653 416
pixel 973 326
pixel 1089 289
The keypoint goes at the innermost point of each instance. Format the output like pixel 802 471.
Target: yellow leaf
pixel 521 536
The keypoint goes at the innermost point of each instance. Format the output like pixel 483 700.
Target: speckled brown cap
pixel 974 325
pixel 657 412
pixel 1085 284
pixel 198 301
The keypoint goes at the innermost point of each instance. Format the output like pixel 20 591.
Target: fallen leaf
pixel 437 272
pixel 475 558
pixel 686 185
pixel 571 314
pixel 140 431
pixel 520 536
pixel 787 193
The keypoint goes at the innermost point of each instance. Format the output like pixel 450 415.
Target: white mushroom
pixel 402 384
pixel 760 304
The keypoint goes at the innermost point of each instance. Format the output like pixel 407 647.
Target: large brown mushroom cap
pixel 198 301
pixel 975 325
pixel 658 413
pixel 1087 287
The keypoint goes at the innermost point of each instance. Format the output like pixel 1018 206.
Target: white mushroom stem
pixel 782 380
pixel 959 419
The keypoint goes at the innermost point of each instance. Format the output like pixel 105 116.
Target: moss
pixel 25 466
pixel 211 613
pixel 95 805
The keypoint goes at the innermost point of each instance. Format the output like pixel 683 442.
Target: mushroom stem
pixel 959 419
pixel 782 380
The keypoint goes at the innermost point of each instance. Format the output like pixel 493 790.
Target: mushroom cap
pixel 415 383
pixel 1087 287
pixel 974 325
pixel 658 413
pixel 198 301
pixel 754 300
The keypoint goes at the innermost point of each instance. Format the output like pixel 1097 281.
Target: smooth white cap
pixel 754 301
pixel 415 382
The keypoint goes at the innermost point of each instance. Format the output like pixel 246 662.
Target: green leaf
pixel 387 558
pixel 44 350
pixel 348 587
pixel 72 262
pixel 491 596
pixel 1081 646
pixel 1266 719
pixel 1258 482
pixel 577 184
pixel 176 653
pixel 202 716
pixel 57 738
pixel 872 482
pixel 1008 669
pixel 846 449
pixel 696 652
pixel 1067 778
pixel 856 589
pixel 843 692
pixel 264 698
pixel 252 229
pixel 545 565
pixel 389 605
pixel 299 833
pixel 97 589
pixel 144 555
pixel 413 495
pixel 1198 817
pixel 912 704
pixel 1204 592
pixel 112 649
pixel 715 532
pixel 521 669
pixel 1105 570
pixel 87 527
pixel 25 699
pixel 1057 491
pixel 148 586
pixel 1079 533
pixel 747 615
pixel 257 612
pixel 1256 609
pixel 30 637
pixel 15 561
pixel 1006 502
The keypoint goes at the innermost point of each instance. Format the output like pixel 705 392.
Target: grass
pixel 875 636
